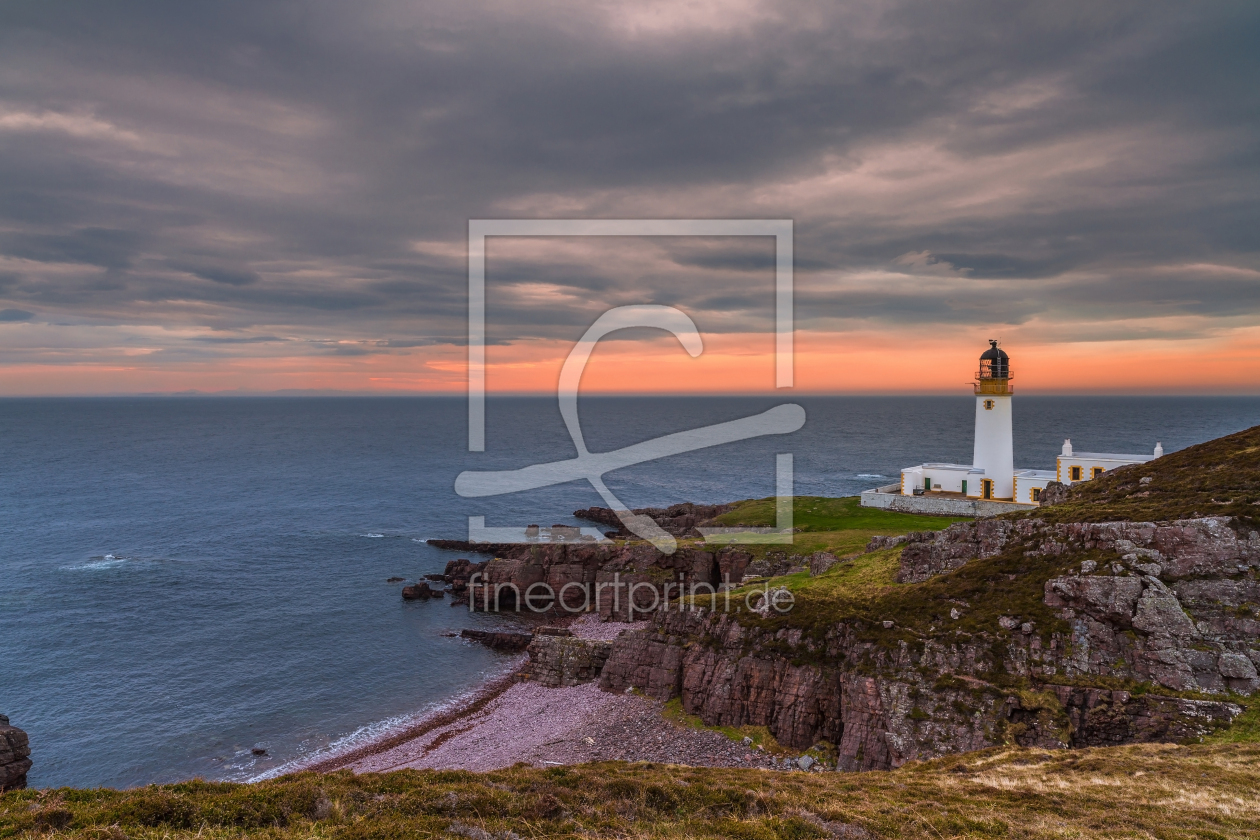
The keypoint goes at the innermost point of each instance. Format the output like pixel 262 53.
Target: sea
pixel 184 580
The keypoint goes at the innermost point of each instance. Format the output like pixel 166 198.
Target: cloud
pixel 11 315
pixel 307 170
pixel 221 274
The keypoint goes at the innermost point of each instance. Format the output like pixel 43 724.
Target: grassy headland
pixel 1147 791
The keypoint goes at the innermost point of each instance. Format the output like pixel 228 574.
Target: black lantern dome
pixel 994 363
pixel 995 371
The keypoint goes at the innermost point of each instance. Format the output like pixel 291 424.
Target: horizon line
pixel 329 392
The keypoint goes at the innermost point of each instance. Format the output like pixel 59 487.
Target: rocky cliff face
pixel 1162 607
pixel 932 553
pixel 614 579
pixel 582 574
pixel 678 520
pixel 15 754
pixel 556 660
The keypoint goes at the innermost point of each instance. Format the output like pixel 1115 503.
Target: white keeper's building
pixel 991 475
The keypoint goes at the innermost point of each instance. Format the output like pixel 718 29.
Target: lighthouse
pixel 990 484
pixel 994 449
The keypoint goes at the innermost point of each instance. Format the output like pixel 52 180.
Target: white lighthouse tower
pixel 994 451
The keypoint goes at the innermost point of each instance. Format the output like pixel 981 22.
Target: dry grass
pixel 1217 478
pixel 1146 791
pixel 760 735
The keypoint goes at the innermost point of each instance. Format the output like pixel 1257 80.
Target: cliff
pixel 1056 628
pixel 15 754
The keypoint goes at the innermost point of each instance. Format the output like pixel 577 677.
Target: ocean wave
pixel 98 563
pixel 102 562
pixel 370 535
pixel 871 475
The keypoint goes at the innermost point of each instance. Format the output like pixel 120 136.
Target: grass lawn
pixel 823 513
pixel 841 526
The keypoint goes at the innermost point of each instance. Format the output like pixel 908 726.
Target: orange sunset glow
pixel 859 363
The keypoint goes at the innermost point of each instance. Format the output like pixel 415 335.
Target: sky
pixel 259 196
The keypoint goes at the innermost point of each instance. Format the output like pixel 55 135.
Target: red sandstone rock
pixel 883 707
pixel 15 754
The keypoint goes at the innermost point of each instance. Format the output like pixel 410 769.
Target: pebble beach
pixel 512 722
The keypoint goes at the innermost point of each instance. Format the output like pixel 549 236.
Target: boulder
pixel 15 754
pixel 1054 493
pixel 930 553
pixel 878 542
pixel 417 592
pixel 821 561
pixel 499 640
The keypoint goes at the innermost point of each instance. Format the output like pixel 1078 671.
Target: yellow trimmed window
pixel 1095 472
pixel 1076 473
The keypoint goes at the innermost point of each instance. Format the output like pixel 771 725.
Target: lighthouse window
pixel 1076 473
pixel 988 405
pixel 1036 494
pixel 1095 472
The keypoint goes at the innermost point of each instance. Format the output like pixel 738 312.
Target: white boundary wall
pixel 889 497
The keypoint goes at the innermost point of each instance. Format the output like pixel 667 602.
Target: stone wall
pixel 938 505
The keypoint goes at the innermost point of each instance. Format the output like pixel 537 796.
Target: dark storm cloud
pixel 219 274
pixel 90 246
pixel 309 168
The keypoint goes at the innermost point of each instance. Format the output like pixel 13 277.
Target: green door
pixel 964 487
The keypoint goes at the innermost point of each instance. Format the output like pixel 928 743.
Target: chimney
pixel 1159 450
pixel 1067 447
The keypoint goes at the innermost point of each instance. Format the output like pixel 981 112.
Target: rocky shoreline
pixel 537 716
pixel 1116 613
